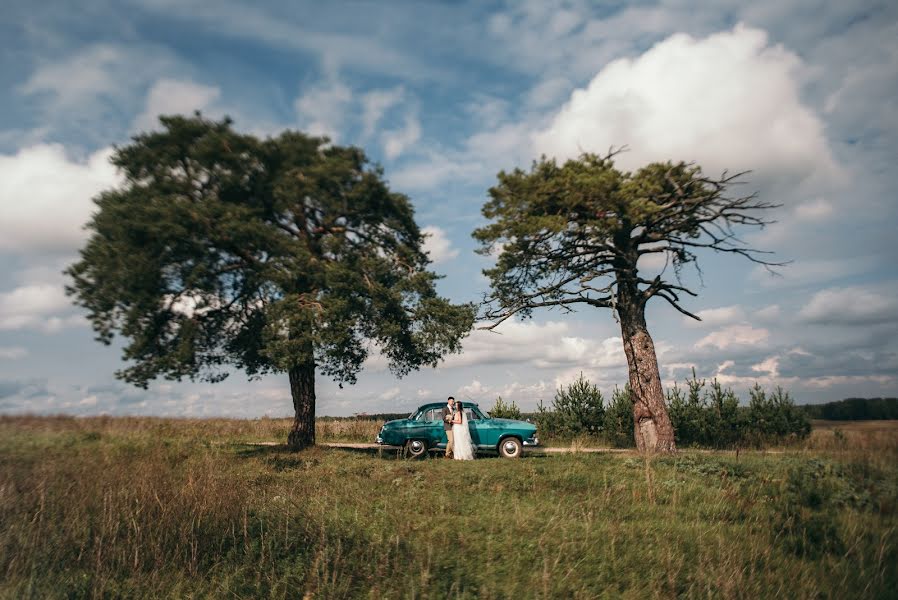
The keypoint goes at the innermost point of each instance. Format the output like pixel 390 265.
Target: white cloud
pixel 529 392
pixel 712 317
pixel 390 394
pixel 399 140
pixel 768 313
pixel 548 92
pixel 322 109
pixel 769 365
pixel 12 352
pixel 171 96
pixel 84 75
pixel 851 306
pixel 814 210
pixel 727 101
pixel 734 336
pixel 437 246
pixel 473 391
pixel 429 172
pixel 36 307
pixel 47 198
pixel 375 105
pixel 812 271
pixel 543 346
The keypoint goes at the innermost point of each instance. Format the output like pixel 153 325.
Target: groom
pixel 448 415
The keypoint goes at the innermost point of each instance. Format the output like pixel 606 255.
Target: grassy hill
pixel 120 508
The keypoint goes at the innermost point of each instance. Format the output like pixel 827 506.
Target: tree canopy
pixel 571 234
pixel 222 249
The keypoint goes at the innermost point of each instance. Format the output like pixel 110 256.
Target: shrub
pixel 577 409
pixel 618 424
pixel 774 417
pixel 710 415
pixel 504 410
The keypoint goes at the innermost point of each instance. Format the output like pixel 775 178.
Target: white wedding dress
pixel 463 448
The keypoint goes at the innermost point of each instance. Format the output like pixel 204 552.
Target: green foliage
pixel 807 509
pixel 619 419
pixel 577 409
pixel 505 410
pixel 775 416
pixel 711 416
pixel 572 234
pixel 852 409
pixel 224 249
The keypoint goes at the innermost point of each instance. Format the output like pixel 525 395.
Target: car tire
pixel 510 447
pixel 416 449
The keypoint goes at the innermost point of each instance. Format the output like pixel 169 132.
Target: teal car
pixel 423 431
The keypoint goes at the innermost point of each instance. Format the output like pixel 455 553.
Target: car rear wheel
pixel 510 448
pixel 415 448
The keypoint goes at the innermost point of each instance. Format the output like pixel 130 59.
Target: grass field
pixel 117 508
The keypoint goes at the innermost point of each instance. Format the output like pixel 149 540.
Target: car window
pixel 475 414
pixel 471 414
pixel 431 414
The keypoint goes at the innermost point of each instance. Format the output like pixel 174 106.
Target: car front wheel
pixel 510 448
pixel 415 448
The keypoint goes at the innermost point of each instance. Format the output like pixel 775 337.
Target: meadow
pixel 140 507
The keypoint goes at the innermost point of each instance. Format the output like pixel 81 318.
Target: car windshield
pixel 473 413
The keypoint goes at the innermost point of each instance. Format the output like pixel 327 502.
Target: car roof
pixel 435 404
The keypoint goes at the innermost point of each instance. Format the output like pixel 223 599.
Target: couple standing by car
pixel 458 437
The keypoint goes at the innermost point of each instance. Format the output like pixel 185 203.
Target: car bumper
pixel 379 440
pixel 532 441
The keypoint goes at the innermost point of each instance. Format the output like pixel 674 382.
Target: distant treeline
pixel 854 409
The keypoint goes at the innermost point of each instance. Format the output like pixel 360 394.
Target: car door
pixel 482 433
pixel 433 426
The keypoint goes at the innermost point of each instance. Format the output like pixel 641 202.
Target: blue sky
pixel 443 95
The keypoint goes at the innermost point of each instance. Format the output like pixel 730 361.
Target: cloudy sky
pixel 444 95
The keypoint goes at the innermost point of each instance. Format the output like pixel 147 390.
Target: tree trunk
pixel 651 424
pixel 302 388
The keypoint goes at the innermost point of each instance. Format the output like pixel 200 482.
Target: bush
pixel 577 409
pixel 618 425
pixel 774 417
pixel 710 416
pixel 503 410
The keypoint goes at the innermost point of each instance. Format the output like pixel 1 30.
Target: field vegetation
pixel 138 507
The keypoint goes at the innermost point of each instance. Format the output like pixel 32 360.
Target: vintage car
pixel 423 431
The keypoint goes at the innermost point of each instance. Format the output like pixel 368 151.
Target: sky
pixel 444 95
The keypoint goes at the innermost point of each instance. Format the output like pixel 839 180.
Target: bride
pixel 463 447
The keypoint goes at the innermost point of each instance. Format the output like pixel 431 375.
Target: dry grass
pixel 122 508
pixel 858 437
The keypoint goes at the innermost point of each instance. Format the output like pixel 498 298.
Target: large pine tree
pixel 572 235
pixel 286 254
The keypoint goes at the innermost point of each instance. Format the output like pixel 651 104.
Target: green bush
pixel 577 410
pixel 774 417
pixel 704 414
pixel 710 416
pixel 618 426
pixel 505 410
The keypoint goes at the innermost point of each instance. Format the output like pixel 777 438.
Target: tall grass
pixel 124 508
